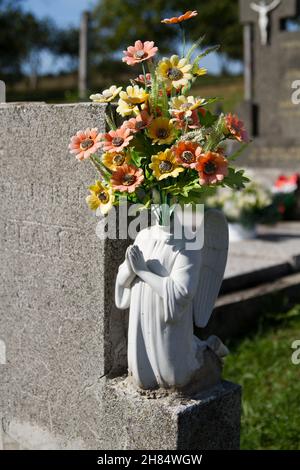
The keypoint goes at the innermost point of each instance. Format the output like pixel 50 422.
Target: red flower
pixel 212 168
pixel 287 184
pixel 236 128
pixel 127 178
pixel 187 153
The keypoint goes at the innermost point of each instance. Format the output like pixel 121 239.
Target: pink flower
pixel 131 125
pixel 141 79
pixel 127 178
pixel 85 143
pixel 138 123
pixel 117 140
pixel 189 120
pixel 139 52
pixel 236 128
pixel 144 119
pixel 212 168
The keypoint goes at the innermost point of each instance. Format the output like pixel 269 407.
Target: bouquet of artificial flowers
pixel 169 147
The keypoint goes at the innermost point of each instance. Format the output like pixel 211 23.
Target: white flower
pixel 107 95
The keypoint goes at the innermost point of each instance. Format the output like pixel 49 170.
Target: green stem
pixel 183 39
pixel 144 73
pixel 105 174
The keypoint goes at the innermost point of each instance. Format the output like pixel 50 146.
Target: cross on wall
pixel 255 34
pixel 263 9
pixel 267 15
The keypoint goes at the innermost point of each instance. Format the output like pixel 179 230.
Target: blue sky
pixel 67 12
pixel 63 12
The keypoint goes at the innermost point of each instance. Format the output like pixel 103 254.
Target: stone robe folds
pixel 162 349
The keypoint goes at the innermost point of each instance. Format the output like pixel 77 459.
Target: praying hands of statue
pixel 140 268
pixel 126 274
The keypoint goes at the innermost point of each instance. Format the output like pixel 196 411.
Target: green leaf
pixel 110 121
pixel 136 157
pixel 154 91
pixel 194 47
pixel 208 120
pixel 207 51
pixel 235 179
pixel 164 103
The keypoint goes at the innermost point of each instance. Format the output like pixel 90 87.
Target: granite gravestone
pixel 272 65
pixel 57 313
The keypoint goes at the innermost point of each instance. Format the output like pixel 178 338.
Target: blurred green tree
pixel 119 23
pixel 22 38
pixel 65 42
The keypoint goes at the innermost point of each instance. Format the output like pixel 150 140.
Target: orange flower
pixel 212 168
pixel 178 19
pixel 235 128
pixel 139 52
pixel 116 141
pixel 127 178
pixel 187 153
pixel 85 143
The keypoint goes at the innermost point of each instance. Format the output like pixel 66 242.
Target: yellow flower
pixel 164 164
pixel 199 71
pixel 125 109
pixel 134 95
pixel 114 160
pixel 101 196
pixel 129 99
pixel 174 71
pixel 182 104
pixel 162 131
pixel 107 95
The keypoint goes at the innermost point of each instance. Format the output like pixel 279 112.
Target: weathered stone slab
pixel 57 314
pixel 283 230
pixel 244 272
pixel 2 92
pixel 237 312
pixel 281 250
pixel 208 421
pixel 275 254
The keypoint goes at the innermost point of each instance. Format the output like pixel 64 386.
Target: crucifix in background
pixel 2 92
pixel 263 9
pixel 271 65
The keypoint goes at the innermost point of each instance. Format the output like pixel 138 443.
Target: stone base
pixel 207 421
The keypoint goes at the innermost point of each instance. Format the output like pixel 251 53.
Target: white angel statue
pixel 169 288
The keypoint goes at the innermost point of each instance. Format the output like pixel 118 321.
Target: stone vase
pixel 238 232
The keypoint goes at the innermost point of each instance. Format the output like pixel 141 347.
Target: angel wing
pixel 213 264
